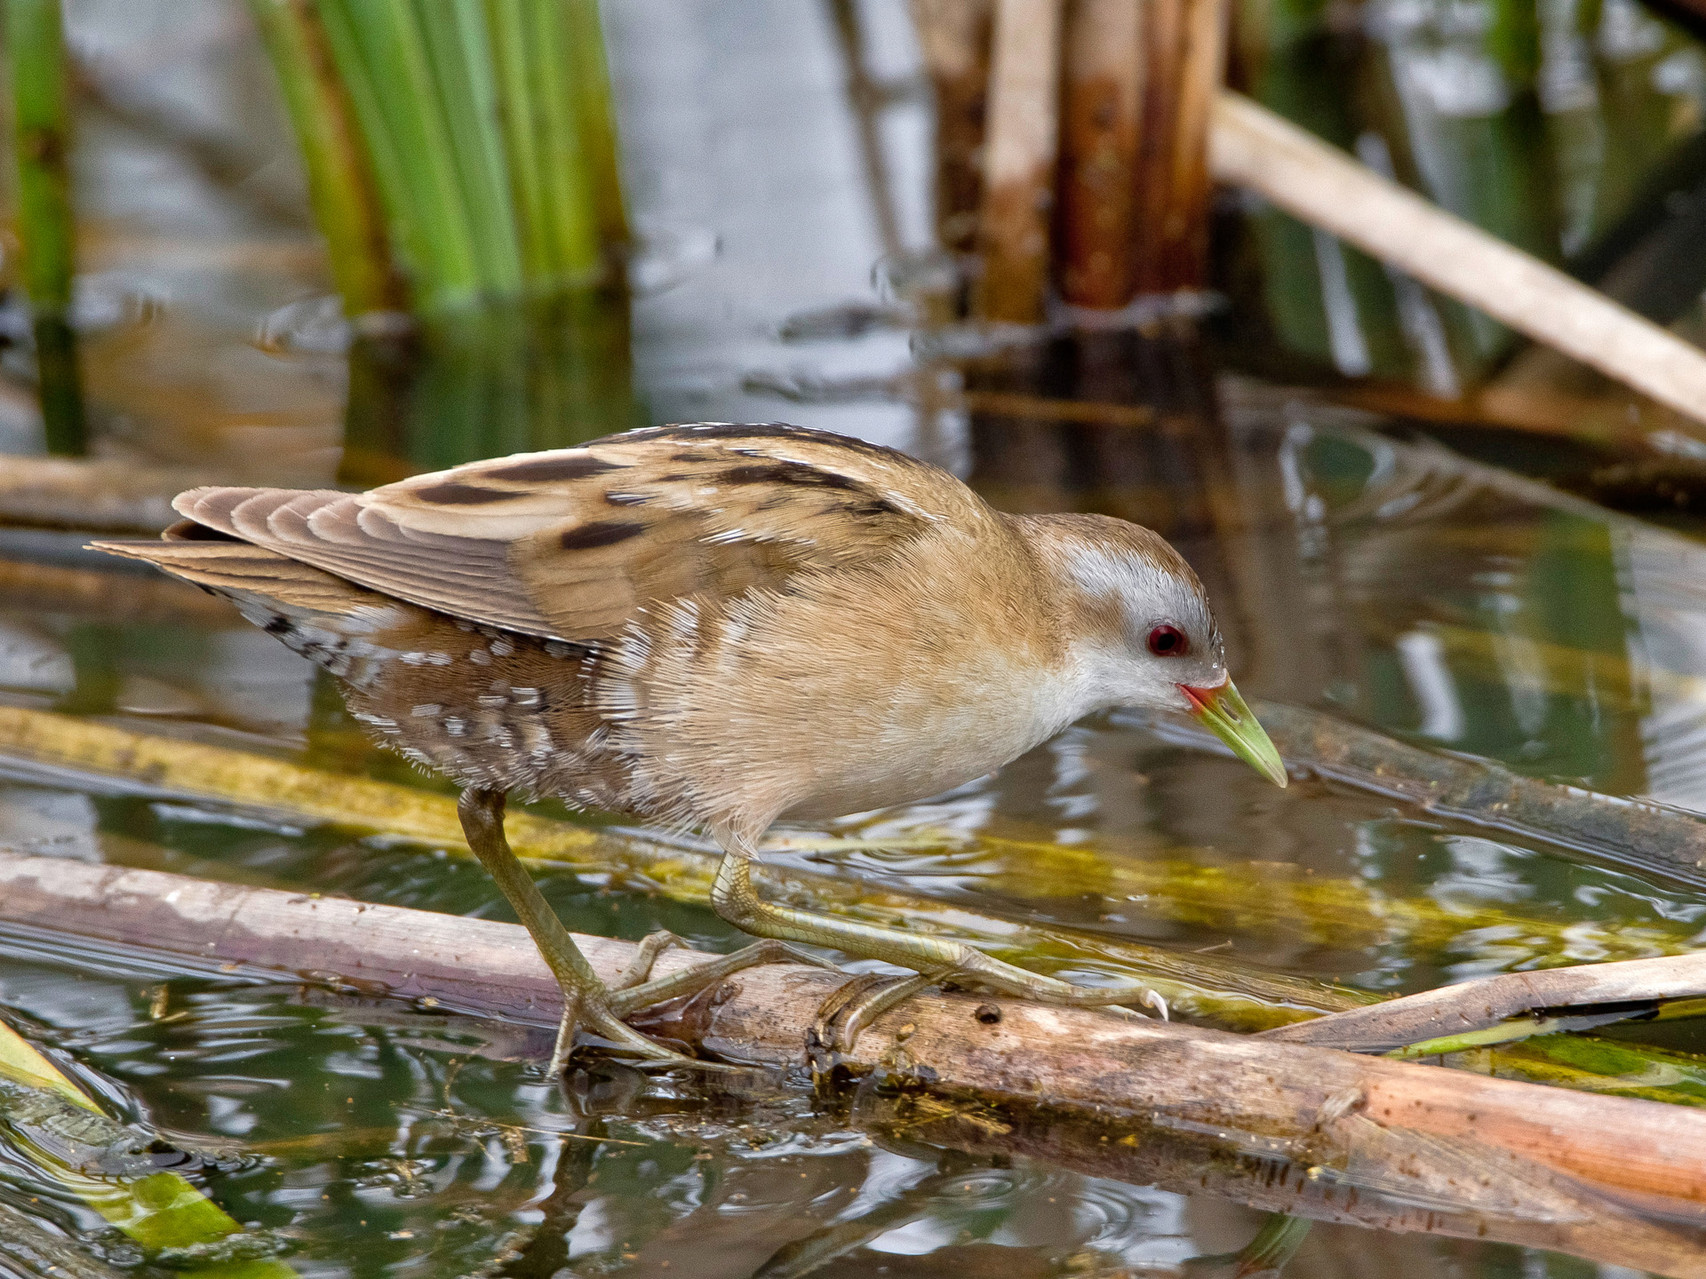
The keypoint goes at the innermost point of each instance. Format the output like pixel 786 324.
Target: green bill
pixel 1224 711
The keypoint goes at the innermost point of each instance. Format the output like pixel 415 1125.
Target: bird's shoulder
pixel 573 543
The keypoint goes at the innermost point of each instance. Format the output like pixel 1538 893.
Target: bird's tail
pixel 244 572
pixel 320 615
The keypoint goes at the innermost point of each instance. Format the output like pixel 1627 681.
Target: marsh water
pixel 1360 566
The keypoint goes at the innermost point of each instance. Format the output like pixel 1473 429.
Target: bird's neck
pixel 1085 626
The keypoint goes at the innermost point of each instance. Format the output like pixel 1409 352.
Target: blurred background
pixel 338 242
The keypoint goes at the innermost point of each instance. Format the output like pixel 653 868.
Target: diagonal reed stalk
pixel 35 65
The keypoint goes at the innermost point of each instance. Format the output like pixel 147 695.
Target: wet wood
pixel 1254 148
pixel 1489 1001
pixel 107 495
pixel 1101 130
pixel 1315 1131
pixel 1019 159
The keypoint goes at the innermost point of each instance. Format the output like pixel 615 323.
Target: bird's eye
pixel 1168 641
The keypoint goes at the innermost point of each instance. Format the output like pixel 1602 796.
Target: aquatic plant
pixel 35 67
pixel 485 133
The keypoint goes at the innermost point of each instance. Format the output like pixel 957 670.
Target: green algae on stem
pixel 41 128
pixel 53 1124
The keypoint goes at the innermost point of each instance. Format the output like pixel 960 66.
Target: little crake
pixel 719 627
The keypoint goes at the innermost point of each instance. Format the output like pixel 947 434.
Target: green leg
pixel 587 1002
pixel 735 899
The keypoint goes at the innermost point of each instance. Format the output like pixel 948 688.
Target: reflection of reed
pixel 504 379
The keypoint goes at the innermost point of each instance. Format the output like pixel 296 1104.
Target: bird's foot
pixel 856 1004
pixel 603 1012
pixel 974 968
pixel 935 960
pixel 588 1003
pixel 632 991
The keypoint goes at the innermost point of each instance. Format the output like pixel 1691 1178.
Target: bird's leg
pixel 587 1001
pixel 734 898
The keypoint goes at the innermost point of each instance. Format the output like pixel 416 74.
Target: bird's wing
pixel 573 543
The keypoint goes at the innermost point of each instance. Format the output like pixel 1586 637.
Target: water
pixel 1390 583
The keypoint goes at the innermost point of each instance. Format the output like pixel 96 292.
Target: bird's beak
pixel 1222 709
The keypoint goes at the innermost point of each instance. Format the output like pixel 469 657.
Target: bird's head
pixel 1141 632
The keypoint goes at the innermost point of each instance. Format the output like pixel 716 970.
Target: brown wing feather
pixel 571 544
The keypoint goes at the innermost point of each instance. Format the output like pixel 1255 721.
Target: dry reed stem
pixel 1019 159
pixel 1175 253
pixel 106 495
pixel 1254 148
pixel 1163 41
pixel 1313 1131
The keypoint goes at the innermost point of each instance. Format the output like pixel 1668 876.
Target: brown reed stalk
pixel 1101 130
pixel 1019 159
pixel 1187 60
pixel 955 38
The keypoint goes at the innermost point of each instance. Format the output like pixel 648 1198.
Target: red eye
pixel 1168 641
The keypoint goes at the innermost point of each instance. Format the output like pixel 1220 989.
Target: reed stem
pixel 955 39
pixel 486 129
pixel 341 185
pixel 1019 171
pixel 595 105
pixel 1102 120
pixel 35 63
pixel 572 231
pixel 381 55
pixel 457 43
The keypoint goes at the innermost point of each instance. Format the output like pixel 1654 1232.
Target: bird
pixel 716 627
